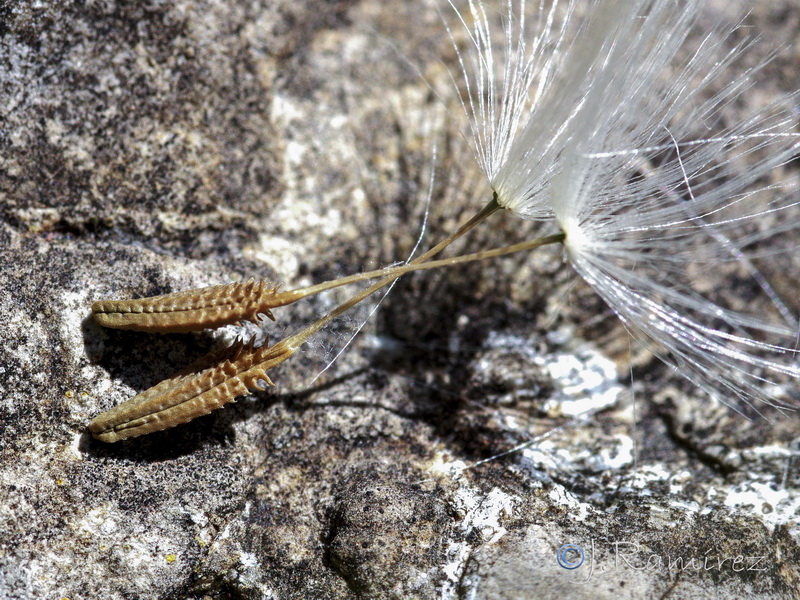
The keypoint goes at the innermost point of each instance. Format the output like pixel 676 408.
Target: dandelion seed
pixel 578 125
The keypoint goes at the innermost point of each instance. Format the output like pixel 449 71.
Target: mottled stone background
pixel 158 146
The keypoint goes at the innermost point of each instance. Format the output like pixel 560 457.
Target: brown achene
pixel 222 376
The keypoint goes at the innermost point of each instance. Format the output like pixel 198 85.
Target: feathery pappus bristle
pixel 592 125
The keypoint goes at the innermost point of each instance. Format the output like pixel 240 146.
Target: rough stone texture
pixel 146 148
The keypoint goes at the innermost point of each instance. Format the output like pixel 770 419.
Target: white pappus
pixel 589 119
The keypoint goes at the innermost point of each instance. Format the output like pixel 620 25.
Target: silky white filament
pixel 587 120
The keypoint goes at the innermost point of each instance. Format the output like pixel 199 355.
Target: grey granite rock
pixel 154 147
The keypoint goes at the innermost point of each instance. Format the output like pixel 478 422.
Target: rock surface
pixel 148 148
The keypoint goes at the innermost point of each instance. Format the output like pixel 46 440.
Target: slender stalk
pixel 298 339
pixel 284 298
pixel 393 273
pixel 399 270
pixel 556 238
